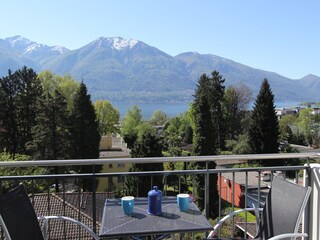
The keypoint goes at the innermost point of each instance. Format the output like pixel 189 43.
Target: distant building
pixel 113 147
pixel 315 111
pixel 227 184
pixel 280 112
pixel 106 142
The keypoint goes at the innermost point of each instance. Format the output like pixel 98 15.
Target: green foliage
pixel 205 131
pixel 305 119
pixel 285 124
pixel 108 117
pixel 307 128
pixel 84 129
pixel 178 132
pixel 19 95
pixel 226 229
pixel 129 126
pixel 144 128
pixel 65 85
pixel 235 104
pixel 51 133
pixel 148 146
pixel 85 137
pixel 159 118
pixel 240 145
pixel 173 138
pixel 315 134
pixel 208 127
pixel 14 171
pixel 264 127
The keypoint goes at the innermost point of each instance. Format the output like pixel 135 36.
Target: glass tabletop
pixel 115 223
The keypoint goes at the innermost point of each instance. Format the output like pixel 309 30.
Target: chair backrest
pixel 283 209
pixel 19 216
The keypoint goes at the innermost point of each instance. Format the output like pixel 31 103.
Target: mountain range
pixel 127 70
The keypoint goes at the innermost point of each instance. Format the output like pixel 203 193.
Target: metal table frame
pixel 116 224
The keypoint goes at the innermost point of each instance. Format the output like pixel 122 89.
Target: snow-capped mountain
pixel 121 69
pixel 33 49
pixel 116 43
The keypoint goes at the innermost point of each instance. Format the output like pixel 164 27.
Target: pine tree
pixel 216 108
pixel 51 134
pixel 148 146
pixel 29 92
pixel 8 128
pixel 204 140
pixel 264 127
pixel 85 137
pixel 208 134
pixel 19 95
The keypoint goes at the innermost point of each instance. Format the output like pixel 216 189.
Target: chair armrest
pixel 288 235
pixel 4 228
pixel 47 218
pixel 218 225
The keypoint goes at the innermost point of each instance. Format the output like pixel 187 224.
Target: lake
pixel 174 109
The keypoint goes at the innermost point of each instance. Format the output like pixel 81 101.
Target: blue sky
pixel 278 36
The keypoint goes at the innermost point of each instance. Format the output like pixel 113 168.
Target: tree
pixel 208 134
pixel 264 127
pixel 230 110
pixel 285 130
pixel 51 133
pixel 37 186
pixel 217 95
pixel 305 123
pixel 159 118
pixel 173 136
pixel 9 124
pixel 235 103
pixel 148 146
pixel 108 117
pixel 240 145
pixel 129 126
pixel 85 137
pixel 65 85
pixel 19 95
pixel 204 132
pixel 30 90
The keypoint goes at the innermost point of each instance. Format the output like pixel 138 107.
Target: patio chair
pixel 281 215
pixel 18 219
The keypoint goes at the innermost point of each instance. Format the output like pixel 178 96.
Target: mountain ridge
pixel 121 69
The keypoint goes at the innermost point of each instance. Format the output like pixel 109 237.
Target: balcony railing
pixel 238 186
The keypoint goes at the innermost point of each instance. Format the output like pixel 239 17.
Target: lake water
pixel 173 109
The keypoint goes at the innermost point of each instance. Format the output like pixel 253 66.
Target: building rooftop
pixel 75 205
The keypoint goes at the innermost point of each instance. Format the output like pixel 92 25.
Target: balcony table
pixel 116 224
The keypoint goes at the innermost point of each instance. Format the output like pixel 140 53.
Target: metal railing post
pixel 207 184
pixel 94 199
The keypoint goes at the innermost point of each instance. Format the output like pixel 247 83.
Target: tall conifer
pixel 19 92
pixel 208 134
pixel 8 121
pixel 84 132
pixel 264 127
pixel 29 92
pixel 51 134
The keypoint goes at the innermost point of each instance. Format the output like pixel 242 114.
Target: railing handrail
pixel 72 162
pixel 154 173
